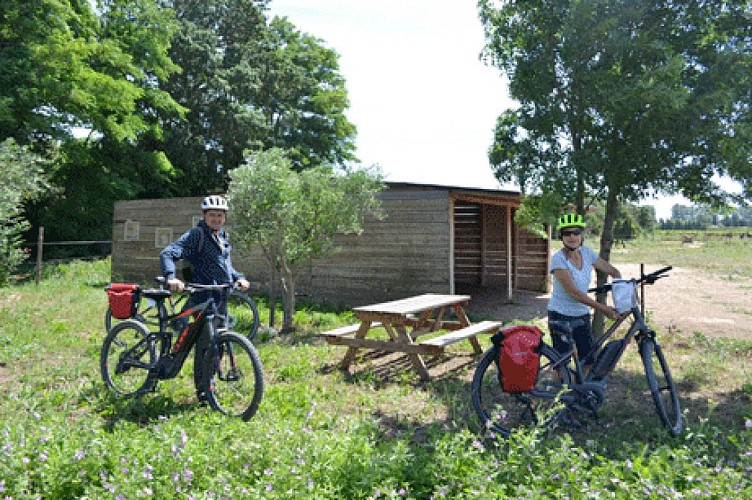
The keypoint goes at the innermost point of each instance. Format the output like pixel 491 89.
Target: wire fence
pixel 40 254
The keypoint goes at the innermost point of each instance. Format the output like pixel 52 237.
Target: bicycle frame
pixel 592 386
pixel 562 389
pixel 171 357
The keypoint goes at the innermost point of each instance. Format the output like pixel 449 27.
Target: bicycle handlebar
pixel 196 287
pixel 647 278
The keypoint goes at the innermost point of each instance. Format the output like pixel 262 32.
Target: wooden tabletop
pixel 412 305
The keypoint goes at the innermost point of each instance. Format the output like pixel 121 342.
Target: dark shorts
pixel 583 336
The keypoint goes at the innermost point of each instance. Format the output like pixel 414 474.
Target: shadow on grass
pixel 142 410
pixel 627 416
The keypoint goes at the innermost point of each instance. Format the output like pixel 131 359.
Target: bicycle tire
pixel 234 379
pixel 128 355
pixel 503 413
pixel 661 385
pixel 242 314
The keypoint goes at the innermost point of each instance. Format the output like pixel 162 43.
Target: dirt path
pixel 688 301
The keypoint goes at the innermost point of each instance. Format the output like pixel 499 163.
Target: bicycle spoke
pixel 127 357
pixel 503 413
pixel 235 382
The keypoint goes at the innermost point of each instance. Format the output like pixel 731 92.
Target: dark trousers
pixel 200 348
pixel 583 336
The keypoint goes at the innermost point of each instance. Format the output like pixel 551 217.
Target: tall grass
pixel 321 433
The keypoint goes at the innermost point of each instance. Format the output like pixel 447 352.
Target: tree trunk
pixel 288 301
pixel 607 241
pixel 272 291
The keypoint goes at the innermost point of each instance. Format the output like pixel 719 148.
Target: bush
pixel 21 179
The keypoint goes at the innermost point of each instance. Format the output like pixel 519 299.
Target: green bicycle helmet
pixel 570 220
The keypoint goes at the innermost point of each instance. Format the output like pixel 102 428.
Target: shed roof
pixel 485 196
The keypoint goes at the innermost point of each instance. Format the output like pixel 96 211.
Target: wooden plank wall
pixel 468 243
pixel 141 228
pixel 405 254
pixel 480 244
pixel 482 252
pixel 531 262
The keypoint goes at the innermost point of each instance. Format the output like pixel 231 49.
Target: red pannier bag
pixel 518 357
pixel 124 299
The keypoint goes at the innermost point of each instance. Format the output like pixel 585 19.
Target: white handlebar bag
pixel 625 296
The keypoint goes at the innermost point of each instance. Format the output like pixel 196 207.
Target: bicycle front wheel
pixel 234 382
pixel 242 314
pixel 661 385
pixel 503 413
pixel 128 355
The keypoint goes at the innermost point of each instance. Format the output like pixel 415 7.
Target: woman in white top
pixel 572 270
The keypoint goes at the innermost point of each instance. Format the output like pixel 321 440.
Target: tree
pixel 618 100
pixel 250 83
pixel 294 216
pixel 21 179
pixel 67 67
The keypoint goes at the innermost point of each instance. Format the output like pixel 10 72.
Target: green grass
pixel 729 258
pixel 321 433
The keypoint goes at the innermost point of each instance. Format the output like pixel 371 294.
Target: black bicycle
pixel 562 389
pixel 242 313
pixel 134 358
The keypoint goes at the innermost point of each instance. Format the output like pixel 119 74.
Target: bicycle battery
pixel 606 360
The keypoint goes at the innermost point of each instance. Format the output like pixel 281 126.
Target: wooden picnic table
pixel 405 320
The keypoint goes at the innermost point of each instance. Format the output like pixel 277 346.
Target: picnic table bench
pixel 406 320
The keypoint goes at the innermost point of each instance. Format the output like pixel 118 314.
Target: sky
pixel 423 103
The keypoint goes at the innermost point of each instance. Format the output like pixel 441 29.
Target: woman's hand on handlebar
pixel 175 285
pixel 243 285
pixel 611 313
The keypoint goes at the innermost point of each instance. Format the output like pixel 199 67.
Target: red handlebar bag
pixel 124 299
pixel 519 358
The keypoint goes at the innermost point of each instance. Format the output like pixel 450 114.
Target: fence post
pixel 40 244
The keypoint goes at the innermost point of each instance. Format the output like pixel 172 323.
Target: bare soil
pixel 687 301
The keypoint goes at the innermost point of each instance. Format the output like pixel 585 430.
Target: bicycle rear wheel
pixel 661 385
pixel 504 413
pixel 128 355
pixel 234 382
pixel 242 314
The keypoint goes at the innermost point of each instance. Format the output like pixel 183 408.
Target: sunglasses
pixel 576 232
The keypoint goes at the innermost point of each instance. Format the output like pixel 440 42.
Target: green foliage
pixel 65 66
pixel 294 216
pixel 319 433
pixel 621 99
pixel 89 179
pixel 251 83
pixel 22 180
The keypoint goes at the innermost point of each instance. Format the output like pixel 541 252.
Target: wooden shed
pixel 434 239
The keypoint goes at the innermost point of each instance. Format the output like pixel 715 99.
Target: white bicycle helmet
pixel 214 202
